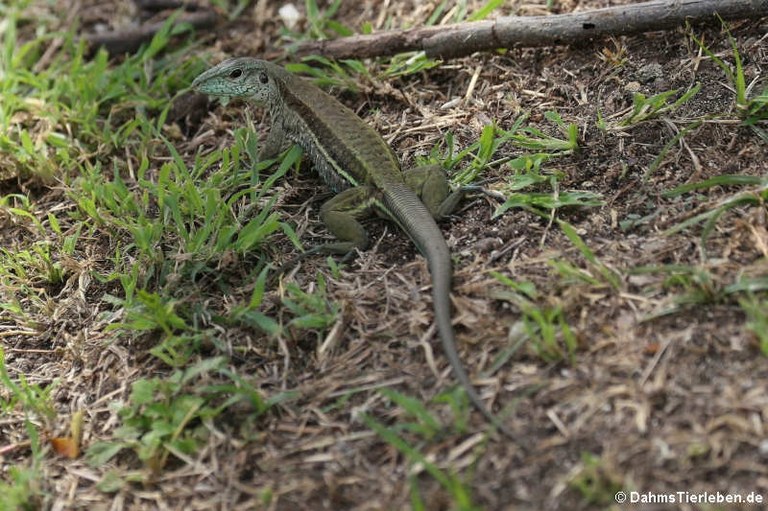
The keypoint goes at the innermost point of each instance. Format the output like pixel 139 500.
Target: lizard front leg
pixel 277 141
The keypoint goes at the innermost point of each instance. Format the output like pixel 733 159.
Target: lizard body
pixel 361 168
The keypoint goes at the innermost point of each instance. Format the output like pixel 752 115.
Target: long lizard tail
pixel 417 222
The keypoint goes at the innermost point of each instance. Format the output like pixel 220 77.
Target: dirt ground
pixel 666 392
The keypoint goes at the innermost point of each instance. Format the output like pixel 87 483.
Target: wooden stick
pixel 450 41
pixel 127 41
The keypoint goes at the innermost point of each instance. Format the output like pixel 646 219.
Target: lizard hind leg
pixel 341 215
pixel 430 183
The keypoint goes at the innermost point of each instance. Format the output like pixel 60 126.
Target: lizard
pixel 363 172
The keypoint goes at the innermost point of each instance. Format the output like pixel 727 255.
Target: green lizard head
pixel 239 78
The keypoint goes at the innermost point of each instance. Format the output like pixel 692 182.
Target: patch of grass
pixel 184 224
pixel 485 10
pixel 610 276
pixel 326 72
pixel 528 173
pixel 596 483
pixel 756 112
pixel 527 168
pixel 745 106
pixel 166 416
pixel 405 64
pixel 347 73
pixel 689 286
pixel 542 203
pixel 697 285
pixel 756 309
pixel 233 11
pixel 321 22
pixel 544 321
pixel 551 339
pixel 21 490
pixel 29 278
pixel 21 487
pixel 30 267
pixel 754 197
pixel 20 208
pixel 545 326
pixel 56 117
pixel 182 234
pixel 668 146
pixel 310 309
pixel 192 209
pixel 460 12
pixel 35 400
pixel 479 154
pixel 424 427
pixel 534 139
pixel 752 109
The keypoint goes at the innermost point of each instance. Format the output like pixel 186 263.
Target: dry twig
pixel 450 41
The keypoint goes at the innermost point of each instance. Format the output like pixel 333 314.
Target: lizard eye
pixel 263 78
pixel 236 73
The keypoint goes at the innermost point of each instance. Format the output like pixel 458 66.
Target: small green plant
pixel 21 485
pixel 21 489
pixel 311 310
pixel 528 173
pixel 527 168
pixel 545 326
pixel 695 286
pixel 425 425
pixel 250 313
pixel 536 140
pixel 35 400
pixel 233 12
pixel 646 108
pixel 744 105
pixel 30 267
pixel 756 309
pixel 331 73
pixel 347 73
pixel 321 23
pixel 668 146
pixel 753 110
pixel 757 112
pixel 485 10
pixel 609 275
pixel 755 197
pixel 405 64
pixel 479 153
pixel 460 12
pixel 551 339
pixel 164 416
pixel 596 484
